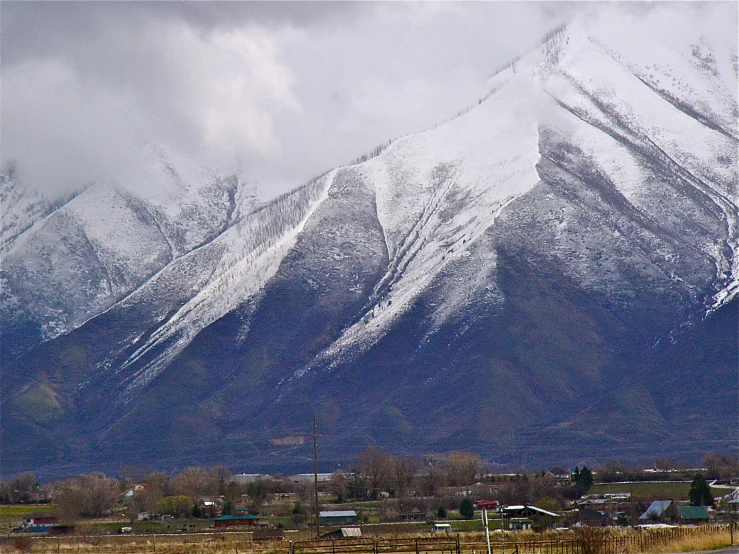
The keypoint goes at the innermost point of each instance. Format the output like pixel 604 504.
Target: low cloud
pixel 283 90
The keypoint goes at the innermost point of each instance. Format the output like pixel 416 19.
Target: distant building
pixel 593 518
pixel 694 514
pixel 246 478
pixel 344 533
pixel 309 477
pixel 39 519
pixel 411 513
pixel 231 521
pixel 537 516
pixel 210 508
pixel 268 535
pixel 519 524
pixel 657 511
pixel 337 517
pixel 559 479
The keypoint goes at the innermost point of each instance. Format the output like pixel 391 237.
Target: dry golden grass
pixel 233 543
pixel 696 543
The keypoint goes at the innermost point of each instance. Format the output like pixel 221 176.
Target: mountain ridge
pixel 522 259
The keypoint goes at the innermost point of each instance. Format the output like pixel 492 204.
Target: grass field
pixel 11 516
pixel 20 510
pixel 655 490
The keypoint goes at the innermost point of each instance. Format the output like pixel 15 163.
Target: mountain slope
pixel 517 281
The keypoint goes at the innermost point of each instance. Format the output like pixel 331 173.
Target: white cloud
pixel 288 90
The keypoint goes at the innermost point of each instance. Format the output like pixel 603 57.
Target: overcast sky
pixel 281 90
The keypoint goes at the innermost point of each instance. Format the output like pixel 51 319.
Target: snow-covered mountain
pixel 537 259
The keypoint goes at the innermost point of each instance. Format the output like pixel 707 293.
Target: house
pixel 231 521
pixel 39 519
pixel 209 508
pixel 337 517
pixel 694 514
pixel 559 479
pixel 408 513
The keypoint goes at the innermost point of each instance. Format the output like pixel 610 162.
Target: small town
pixel 381 503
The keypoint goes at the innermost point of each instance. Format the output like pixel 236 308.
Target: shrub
pixel 176 506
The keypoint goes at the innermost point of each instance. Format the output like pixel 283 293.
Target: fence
pixel 593 541
pixel 417 545
pixel 584 541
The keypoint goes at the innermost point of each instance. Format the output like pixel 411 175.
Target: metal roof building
pixel 656 510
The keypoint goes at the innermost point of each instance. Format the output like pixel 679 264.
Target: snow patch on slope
pixel 436 193
pixel 252 251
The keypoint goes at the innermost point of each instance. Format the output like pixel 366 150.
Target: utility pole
pixel 487 529
pixel 502 529
pixel 315 474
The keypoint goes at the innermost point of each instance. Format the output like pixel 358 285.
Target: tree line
pixel 435 482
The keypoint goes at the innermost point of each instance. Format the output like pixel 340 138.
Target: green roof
pixel 239 517
pixel 693 513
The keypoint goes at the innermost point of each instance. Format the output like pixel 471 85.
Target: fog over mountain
pixel 278 92
pixel 548 276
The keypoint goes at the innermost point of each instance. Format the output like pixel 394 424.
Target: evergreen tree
pixel 466 509
pixel 228 508
pixel 441 513
pixel 586 478
pixel 700 493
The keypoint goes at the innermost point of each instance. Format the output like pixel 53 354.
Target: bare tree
pixel 222 475
pixel 194 482
pixel 91 495
pixel 404 470
pixel 465 468
pixel 337 485
pixel 374 465
pixel 23 488
pixel 433 480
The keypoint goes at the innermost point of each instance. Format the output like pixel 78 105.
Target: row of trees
pixel 376 471
pixel 372 473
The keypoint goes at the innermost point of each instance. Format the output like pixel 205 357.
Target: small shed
pixel 344 533
pixel 337 517
pixel 441 528
pixel 231 521
pixel 694 514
